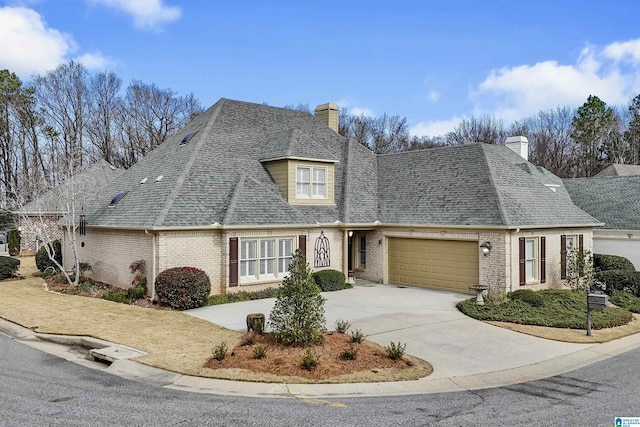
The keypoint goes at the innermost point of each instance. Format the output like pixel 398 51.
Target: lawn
pixel 555 308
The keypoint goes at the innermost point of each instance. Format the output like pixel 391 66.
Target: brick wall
pixel 110 252
pixel 32 230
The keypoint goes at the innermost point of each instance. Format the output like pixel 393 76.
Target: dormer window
pixel 311 182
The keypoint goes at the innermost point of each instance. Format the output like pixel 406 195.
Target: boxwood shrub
pixel 330 280
pixel 8 267
pixel 183 287
pixel 611 262
pixel 620 280
pixel 42 258
pixel 13 241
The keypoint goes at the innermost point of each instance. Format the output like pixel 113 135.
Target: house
pixel 614 200
pixel 38 220
pixel 619 169
pixel 244 185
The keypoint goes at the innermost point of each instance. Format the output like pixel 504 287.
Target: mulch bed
pixel 286 360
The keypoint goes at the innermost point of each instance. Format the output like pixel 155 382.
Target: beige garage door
pixel 448 265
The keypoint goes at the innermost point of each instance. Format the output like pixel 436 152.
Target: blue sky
pixel 431 61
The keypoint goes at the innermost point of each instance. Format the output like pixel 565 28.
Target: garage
pixel 448 265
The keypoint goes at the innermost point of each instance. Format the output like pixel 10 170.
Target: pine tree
pixel 298 314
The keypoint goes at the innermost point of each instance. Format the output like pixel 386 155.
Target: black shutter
pixel 302 244
pixel 543 259
pixel 563 256
pixel 523 276
pixel 233 261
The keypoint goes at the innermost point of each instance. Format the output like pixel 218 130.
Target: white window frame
pixel 573 238
pixel 263 259
pixel 362 251
pixel 531 259
pixel 313 183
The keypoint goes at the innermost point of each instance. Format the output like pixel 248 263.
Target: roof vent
pixel 143 180
pixel 112 167
pixel 188 136
pixel 159 178
pixel 119 195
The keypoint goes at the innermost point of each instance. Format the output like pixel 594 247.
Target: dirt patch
pixel 575 335
pixel 173 340
pixel 285 361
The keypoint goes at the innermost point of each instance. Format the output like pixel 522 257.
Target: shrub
pixel 136 292
pixel 242 296
pixel 395 351
pixel 265 293
pixel 620 280
pixel 298 313
pixel 349 354
pixel 309 360
pixel 357 336
pixel 260 352
pixel 183 287
pixel 116 296
pixel 342 326
pixel 42 258
pixel 527 295
pixel 14 242
pixel 8 267
pixel 611 262
pixel 220 351
pixel 330 280
pixel 626 300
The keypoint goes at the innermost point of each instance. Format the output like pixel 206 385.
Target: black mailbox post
pixel 595 302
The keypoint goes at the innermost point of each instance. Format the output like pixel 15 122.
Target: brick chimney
pixel 328 114
pixel 519 145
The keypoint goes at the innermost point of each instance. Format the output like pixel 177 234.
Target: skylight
pixel 143 180
pixel 188 136
pixel 119 195
pixel 159 178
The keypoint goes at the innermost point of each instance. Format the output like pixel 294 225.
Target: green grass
pixel 626 300
pixel 560 309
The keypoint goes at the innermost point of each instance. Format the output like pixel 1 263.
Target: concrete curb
pixel 129 369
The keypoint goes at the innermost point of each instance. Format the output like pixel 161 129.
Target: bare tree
pixel 105 105
pixel 486 129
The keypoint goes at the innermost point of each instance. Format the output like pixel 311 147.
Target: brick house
pixel 244 185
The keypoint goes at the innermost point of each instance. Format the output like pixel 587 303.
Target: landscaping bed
pixel 370 363
pixel 551 308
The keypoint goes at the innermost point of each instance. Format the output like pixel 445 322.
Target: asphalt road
pixel 39 389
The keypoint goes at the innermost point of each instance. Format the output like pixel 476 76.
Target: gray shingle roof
pixel 617 169
pixel 88 182
pixel 218 177
pixel 614 200
pixel 474 185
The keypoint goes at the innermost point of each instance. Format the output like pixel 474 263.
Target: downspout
pixel 345 255
pixel 153 264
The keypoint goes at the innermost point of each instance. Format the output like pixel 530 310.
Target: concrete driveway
pixel 426 320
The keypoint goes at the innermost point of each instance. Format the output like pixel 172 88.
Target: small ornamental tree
pixel 580 274
pixel 298 314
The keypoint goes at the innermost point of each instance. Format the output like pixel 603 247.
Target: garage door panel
pixel 438 264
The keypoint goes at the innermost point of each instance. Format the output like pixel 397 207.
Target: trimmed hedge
pixel 14 242
pixel 611 262
pixel 330 280
pixel 183 287
pixel 42 258
pixel 8 267
pixel 620 280
pixel 529 296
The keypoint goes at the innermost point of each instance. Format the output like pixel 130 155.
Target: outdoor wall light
pixel 350 233
pixel 485 248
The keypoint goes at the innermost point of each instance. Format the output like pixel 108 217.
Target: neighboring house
pixel 614 200
pixel 39 220
pixel 619 169
pixel 244 185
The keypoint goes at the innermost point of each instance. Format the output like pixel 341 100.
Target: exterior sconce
pixel 350 233
pixel 485 248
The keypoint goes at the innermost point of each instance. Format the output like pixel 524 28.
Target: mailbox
pixel 597 301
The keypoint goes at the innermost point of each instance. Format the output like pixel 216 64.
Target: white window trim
pixel 257 278
pixel 535 259
pixel 312 182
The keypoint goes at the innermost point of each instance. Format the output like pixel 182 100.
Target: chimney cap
pixel 327 106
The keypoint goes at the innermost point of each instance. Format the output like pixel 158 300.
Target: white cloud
pixel 358 111
pixel 434 127
pixel 28 44
pixel 513 93
pixel 94 61
pixel 433 96
pixel 147 14
pixel 348 103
